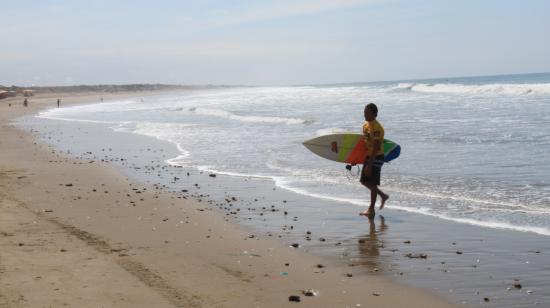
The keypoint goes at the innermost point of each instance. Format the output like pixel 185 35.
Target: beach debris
pixel 212 175
pixel 69 184
pixel 21 244
pixel 407 242
pixel 517 285
pixel 295 245
pixel 349 275
pixel 459 252
pixel 320 266
pixel 284 273
pixel 375 294
pixel 486 299
pixel 48 211
pixel 529 292
pixel 322 239
pixel 310 292
pixel 294 298
pixel 416 255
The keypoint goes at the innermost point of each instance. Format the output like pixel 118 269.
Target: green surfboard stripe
pixel 348 144
pixel 388 146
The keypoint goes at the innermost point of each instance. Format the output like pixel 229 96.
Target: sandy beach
pixel 79 233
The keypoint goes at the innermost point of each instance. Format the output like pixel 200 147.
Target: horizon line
pixel 276 85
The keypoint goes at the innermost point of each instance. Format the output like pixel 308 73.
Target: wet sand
pixel 78 232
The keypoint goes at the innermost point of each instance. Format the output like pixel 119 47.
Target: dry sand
pixel 80 234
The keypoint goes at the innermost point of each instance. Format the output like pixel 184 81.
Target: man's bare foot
pixel 384 199
pixel 368 213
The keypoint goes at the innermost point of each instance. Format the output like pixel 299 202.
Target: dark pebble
pixel 416 256
pixel 308 293
pixel 294 298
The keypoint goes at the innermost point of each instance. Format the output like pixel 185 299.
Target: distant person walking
pixel 370 175
pixel 58 102
pixel 26 102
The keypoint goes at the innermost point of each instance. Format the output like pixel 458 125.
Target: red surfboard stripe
pixel 357 155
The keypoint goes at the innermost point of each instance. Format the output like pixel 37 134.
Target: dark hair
pixel 372 107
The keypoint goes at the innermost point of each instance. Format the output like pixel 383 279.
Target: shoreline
pixel 85 229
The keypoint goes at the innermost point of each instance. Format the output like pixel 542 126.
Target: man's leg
pixel 383 196
pixel 373 194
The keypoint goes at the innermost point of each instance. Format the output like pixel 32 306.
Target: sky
pixel 257 42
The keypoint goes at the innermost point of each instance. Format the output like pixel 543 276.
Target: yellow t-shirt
pixel 373 130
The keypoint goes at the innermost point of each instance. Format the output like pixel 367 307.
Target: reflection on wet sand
pixel 369 244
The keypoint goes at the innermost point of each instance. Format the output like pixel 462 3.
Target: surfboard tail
pixel 392 153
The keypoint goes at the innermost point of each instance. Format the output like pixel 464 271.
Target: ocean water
pixel 474 150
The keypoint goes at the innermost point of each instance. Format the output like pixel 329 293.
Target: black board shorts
pixel 374 178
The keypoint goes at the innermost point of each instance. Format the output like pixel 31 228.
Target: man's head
pixel 371 111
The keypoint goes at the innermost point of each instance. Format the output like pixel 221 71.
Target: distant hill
pixel 108 88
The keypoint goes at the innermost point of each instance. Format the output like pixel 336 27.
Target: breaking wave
pixel 248 118
pixel 486 89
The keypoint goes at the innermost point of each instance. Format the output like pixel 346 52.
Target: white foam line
pixel 244 175
pixel 279 182
pixel 435 196
pixel 487 224
pixel 76 120
pixel 252 119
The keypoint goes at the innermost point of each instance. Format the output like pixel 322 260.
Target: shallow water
pixel 474 150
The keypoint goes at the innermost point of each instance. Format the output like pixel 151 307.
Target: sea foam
pixel 247 118
pixel 485 89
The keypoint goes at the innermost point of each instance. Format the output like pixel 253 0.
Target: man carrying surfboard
pixel 370 174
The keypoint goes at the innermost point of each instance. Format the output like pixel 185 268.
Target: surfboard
pixel 348 148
